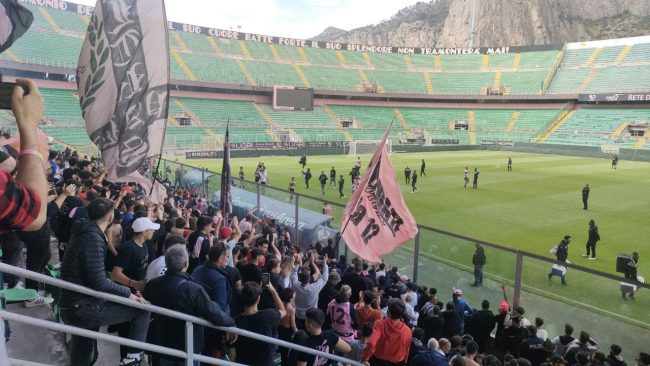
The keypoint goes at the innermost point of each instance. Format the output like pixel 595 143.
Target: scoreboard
pixel 293 98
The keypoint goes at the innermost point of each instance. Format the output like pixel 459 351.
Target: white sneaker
pixel 585 255
pixel 41 300
pixel 591 258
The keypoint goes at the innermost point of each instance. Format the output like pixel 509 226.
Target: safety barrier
pixel 190 321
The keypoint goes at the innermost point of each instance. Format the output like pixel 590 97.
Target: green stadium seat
pixel 320 56
pixel 595 126
pixel 195 42
pixel 423 61
pixel 68 20
pixel 502 61
pixel 260 51
pixel 214 68
pixel 398 81
pixel 270 73
pixel 538 59
pixel 638 53
pixel 388 61
pixel 331 78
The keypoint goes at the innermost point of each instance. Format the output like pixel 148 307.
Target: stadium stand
pixel 588 126
pixel 610 68
pixel 605 66
pixel 398 82
pixel 62 108
pixel 46 48
pixel 67 20
pixel 321 77
pixel 270 73
pixel 596 126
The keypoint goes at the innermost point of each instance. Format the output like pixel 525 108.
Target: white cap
pixel 144 224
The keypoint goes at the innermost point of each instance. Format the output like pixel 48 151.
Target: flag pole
pixel 390 126
pixel 162 144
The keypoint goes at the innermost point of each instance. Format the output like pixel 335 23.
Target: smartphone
pixel 6 90
pixel 266 279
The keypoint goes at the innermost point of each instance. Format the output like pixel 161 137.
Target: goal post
pixel 610 149
pixel 366 147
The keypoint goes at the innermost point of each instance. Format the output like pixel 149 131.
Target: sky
pixel 286 18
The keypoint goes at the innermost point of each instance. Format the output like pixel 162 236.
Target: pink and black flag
pixel 376 220
pixel 123 80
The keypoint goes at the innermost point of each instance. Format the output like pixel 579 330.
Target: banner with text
pixel 338 46
pixel 615 98
pixel 376 220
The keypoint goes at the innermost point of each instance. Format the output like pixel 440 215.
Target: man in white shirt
pixel 306 290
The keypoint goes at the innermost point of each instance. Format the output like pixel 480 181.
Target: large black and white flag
pixel 15 19
pixel 123 80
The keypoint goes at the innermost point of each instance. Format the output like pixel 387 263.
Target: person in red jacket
pixel 390 340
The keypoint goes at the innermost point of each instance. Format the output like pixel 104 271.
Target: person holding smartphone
pixel 23 198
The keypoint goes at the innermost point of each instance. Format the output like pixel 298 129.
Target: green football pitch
pixel 529 209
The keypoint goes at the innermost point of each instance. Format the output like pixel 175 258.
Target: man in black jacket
pixel 594 238
pixel 83 265
pixel 478 260
pixel 481 325
pixel 176 290
pixel 585 197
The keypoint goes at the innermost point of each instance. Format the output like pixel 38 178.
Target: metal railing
pixel 188 355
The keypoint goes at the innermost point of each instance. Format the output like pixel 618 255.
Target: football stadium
pixel 498 154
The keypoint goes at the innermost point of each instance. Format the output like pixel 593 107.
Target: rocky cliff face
pixel 447 23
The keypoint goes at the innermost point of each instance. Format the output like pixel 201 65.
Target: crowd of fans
pixel 184 255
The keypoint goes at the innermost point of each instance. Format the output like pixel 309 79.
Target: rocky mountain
pixel 448 23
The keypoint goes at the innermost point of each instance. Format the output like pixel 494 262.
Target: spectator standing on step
pixel 251 351
pixel 176 290
pixel 131 265
pixel 585 196
pixel 83 265
pixel 478 260
pixel 390 341
pixel 593 238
